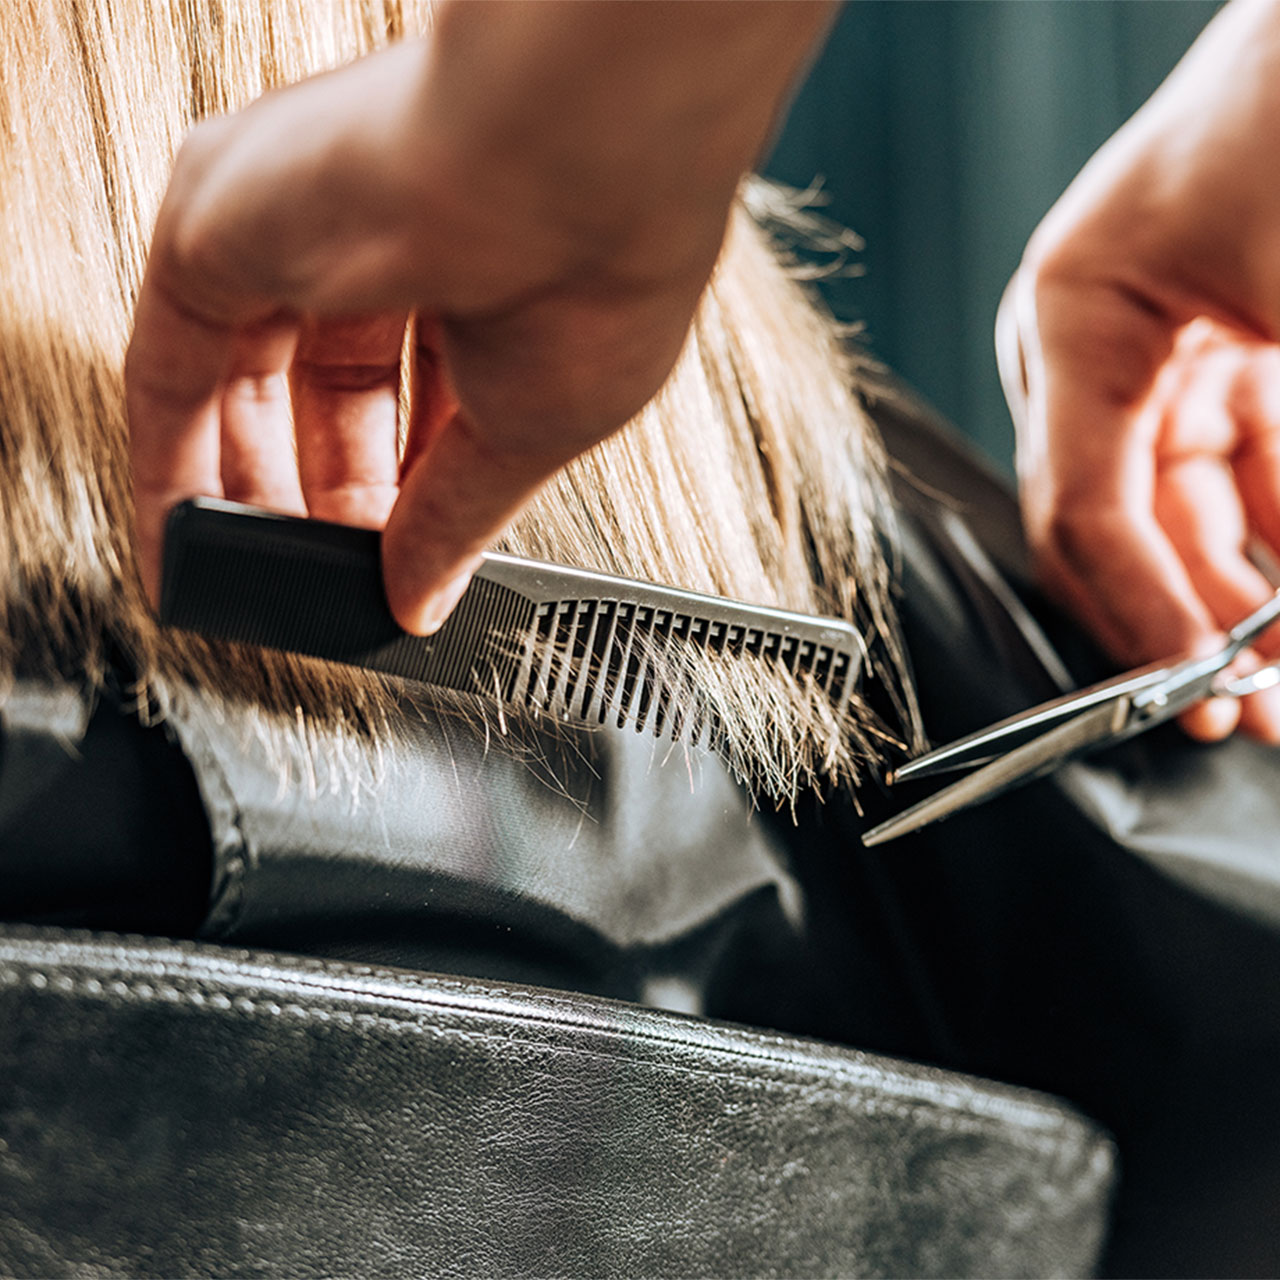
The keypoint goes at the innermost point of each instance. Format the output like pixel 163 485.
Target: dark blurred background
pixel 942 131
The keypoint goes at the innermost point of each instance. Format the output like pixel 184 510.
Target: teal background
pixel 942 130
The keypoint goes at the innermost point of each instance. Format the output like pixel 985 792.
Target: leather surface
pixel 174 1110
pixel 609 839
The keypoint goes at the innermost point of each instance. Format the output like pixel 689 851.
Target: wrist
pixel 604 118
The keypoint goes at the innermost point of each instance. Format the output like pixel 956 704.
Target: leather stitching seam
pixel 924 1111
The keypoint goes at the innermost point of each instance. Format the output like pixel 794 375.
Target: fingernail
pixel 437 610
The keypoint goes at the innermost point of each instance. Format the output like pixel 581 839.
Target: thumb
pixel 454 500
pixel 537 387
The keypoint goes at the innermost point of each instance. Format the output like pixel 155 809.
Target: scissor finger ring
pixel 1253 682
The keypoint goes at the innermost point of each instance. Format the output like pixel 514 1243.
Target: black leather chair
pixel 186 1109
pixel 198 1108
pixel 413 1026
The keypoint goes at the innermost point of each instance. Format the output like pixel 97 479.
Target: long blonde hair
pixel 753 474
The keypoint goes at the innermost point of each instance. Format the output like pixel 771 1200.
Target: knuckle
pixel 341 378
pixel 193 256
pixel 258 389
pixel 151 381
pixel 1082 535
pixel 202 139
pixel 200 256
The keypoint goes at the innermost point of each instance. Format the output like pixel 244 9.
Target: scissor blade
pixel 1250 628
pixel 1154 693
pixel 1092 726
pixel 997 740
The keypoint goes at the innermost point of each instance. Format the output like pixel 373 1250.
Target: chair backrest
pixel 178 1109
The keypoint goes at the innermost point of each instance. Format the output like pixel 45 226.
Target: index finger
pixel 1087 467
pixel 1088 473
pixel 174 373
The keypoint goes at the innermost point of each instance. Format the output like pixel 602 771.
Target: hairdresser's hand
pixel 540 190
pixel 1138 347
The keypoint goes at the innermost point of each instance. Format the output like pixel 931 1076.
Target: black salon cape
pixel 1110 935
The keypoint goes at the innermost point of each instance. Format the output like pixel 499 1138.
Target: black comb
pixel 584 647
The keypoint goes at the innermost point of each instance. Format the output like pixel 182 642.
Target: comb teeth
pixel 602 661
pixel 579 647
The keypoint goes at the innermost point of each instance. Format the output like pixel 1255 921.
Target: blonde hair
pixel 753 474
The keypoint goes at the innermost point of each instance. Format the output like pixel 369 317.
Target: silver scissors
pixel 1034 742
